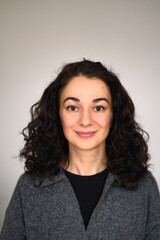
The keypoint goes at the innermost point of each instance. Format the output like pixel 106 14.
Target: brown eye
pixel 72 108
pixel 99 108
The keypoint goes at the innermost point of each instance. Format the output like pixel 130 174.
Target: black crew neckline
pixel 86 176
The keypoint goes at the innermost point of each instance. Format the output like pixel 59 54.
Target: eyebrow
pixel 100 99
pixel 95 100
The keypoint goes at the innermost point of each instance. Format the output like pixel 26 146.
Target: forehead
pixel 83 87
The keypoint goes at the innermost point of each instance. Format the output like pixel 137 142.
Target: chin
pixel 87 146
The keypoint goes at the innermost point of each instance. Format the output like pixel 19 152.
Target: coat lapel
pixel 73 212
pixel 98 214
pixel 73 205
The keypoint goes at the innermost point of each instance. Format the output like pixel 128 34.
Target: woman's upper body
pixel 51 211
pixel 84 123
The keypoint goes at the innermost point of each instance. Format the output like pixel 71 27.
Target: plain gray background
pixel 38 37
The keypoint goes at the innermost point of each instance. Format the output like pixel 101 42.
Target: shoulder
pixel 26 182
pixel 149 184
pixel 26 189
pixel 26 179
pixel 149 179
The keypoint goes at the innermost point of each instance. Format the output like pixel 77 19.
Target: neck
pixel 86 162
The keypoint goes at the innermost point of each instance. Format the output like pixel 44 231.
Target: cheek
pixel 67 121
pixel 105 121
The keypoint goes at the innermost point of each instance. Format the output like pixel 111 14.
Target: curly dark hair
pixel 46 147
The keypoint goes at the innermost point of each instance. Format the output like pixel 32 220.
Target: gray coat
pixel 51 212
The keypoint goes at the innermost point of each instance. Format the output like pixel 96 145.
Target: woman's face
pixel 86 112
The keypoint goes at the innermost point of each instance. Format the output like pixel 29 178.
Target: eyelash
pixel 102 108
pixel 70 108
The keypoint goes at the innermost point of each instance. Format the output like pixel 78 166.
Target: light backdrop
pixel 38 37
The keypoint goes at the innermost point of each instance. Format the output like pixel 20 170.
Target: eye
pixel 72 108
pixel 99 108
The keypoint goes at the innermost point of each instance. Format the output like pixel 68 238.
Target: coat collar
pixel 46 181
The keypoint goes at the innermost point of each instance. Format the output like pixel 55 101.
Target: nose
pixel 85 118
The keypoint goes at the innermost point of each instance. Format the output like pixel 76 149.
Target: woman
pixel 86 163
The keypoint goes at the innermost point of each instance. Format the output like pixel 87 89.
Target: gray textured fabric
pixel 51 212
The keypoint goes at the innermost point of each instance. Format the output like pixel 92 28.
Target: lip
pixel 86 134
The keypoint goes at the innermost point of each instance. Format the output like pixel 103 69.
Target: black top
pixel 88 190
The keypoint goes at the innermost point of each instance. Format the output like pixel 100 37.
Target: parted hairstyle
pixel 126 145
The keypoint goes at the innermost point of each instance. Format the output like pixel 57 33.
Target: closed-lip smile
pixel 85 134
